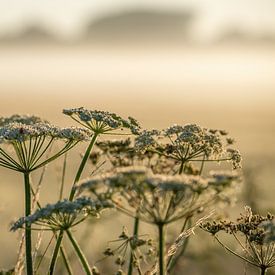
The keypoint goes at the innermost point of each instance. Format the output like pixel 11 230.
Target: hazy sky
pixel 67 17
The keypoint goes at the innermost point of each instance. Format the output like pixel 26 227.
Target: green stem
pixel 82 164
pixel 161 249
pixel 72 193
pixel 55 253
pixel 28 236
pixel 263 270
pixel 79 253
pixel 63 177
pixel 181 167
pixel 66 261
pixel 135 233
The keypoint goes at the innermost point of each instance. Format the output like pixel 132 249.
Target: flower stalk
pixel 135 233
pixel 28 237
pixel 162 269
pixel 80 254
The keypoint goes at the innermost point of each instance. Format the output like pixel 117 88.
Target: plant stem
pixel 66 261
pixel 55 253
pixel 72 193
pixel 161 249
pixel 63 176
pixel 82 164
pixel 181 167
pixel 79 253
pixel 28 236
pixel 135 233
pixel 263 270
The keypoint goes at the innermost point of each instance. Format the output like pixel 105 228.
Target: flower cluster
pixel 250 225
pixel 189 143
pixel 101 121
pixel 255 231
pixel 24 119
pixel 269 228
pixel 20 132
pixel 32 141
pixel 122 153
pixel 63 214
pixel 155 198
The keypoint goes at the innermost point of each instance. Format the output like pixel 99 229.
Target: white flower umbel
pixel 102 122
pixel 25 143
pixel 98 122
pixel 25 119
pixel 32 142
pixel 155 199
pixel 189 143
pixel 63 214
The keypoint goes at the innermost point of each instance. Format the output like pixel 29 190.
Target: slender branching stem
pixel 263 270
pixel 135 233
pixel 162 269
pixel 63 177
pixel 55 253
pixel 234 253
pixel 79 253
pixel 82 164
pixel 66 260
pixel 181 167
pixel 28 238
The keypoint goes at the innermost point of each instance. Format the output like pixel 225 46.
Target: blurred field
pixel 215 86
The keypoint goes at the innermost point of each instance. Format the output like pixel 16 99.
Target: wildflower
pixel 31 142
pixel 97 122
pixel 146 139
pixel 122 153
pixel 155 198
pixel 235 157
pixel 100 121
pixel 189 143
pixel 63 214
pixel 222 179
pixel 24 119
pixel 252 233
pixel 269 227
